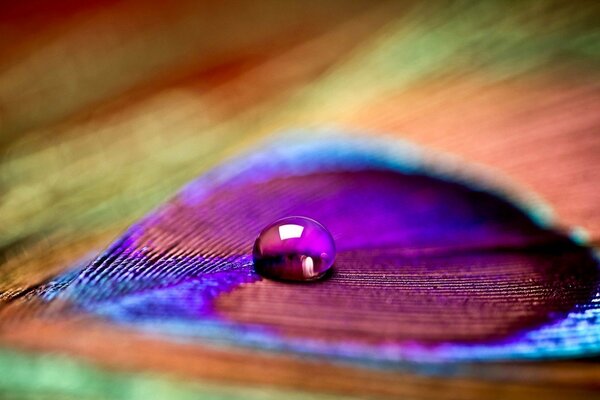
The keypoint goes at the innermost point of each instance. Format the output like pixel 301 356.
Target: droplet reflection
pixel 294 248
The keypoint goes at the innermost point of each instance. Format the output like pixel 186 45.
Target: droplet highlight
pixel 294 249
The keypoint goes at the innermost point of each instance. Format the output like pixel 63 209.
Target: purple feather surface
pixel 437 261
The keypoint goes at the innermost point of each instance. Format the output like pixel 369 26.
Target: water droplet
pixel 294 248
